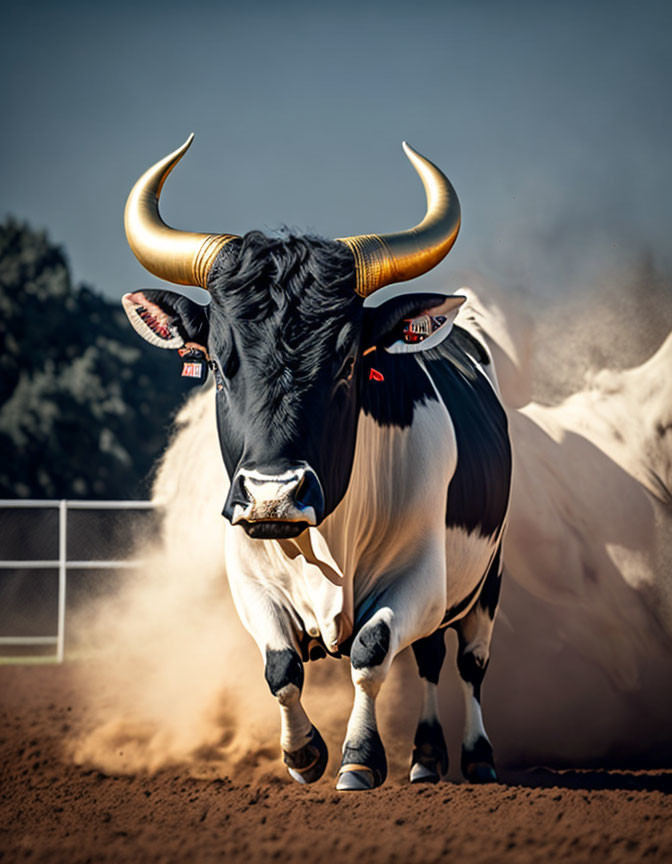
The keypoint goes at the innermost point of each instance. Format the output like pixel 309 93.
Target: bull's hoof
pixel 478 764
pixel 307 764
pixel 356 778
pixel 364 765
pixel 480 772
pixel 423 774
pixel 429 761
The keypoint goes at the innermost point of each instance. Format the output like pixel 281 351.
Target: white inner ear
pixel 151 322
pixel 450 307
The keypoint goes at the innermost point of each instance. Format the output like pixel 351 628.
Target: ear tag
pixel 418 329
pixel 192 367
pixel 375 375
pixel 192 370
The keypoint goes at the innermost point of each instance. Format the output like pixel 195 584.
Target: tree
pixel 85 404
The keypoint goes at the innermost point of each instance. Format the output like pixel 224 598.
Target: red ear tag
pixel 192 370
pixel 375 375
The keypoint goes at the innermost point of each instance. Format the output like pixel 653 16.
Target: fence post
pixel 62 567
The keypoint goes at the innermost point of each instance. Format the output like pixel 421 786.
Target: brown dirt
pixel 53 810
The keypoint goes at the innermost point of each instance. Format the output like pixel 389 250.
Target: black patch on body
pixel 490 594
pixel 429 748
pixel 430 653
pixel 370 646
pixel 282 668
pixel 392 402
pixel 478 494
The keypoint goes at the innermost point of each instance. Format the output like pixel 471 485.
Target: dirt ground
pixel 53 810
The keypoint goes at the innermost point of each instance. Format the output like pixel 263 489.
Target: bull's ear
pixel 167 319
pixel 408 322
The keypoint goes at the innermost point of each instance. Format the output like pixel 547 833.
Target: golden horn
pixel 381 259
pixel 182 257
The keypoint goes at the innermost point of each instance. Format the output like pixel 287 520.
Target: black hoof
pixel 364 765
pixel 478 764
pixel 480 772
pixel 430 755
pixel 307 764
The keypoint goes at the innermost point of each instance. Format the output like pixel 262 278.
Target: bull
pixel 368 457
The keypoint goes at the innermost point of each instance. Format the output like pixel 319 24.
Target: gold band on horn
pixel 182 257
pixel 386 258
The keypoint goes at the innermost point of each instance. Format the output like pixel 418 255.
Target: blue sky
pixel 552 120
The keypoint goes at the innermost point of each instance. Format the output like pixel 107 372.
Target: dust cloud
pixel 582 652
pixel 581 657
pixel 174 678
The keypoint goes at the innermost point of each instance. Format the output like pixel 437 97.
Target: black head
pixel 285 323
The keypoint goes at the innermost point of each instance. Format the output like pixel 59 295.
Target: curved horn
pixel 176 256
pixel 386 258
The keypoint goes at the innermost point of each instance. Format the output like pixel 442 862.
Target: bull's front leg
pixel 303 749
pixel 270 625
pixel 364 765
pixel 409 609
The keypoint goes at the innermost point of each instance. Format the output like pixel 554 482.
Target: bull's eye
pixel 226 366
pixel 231 365
pixel 224 370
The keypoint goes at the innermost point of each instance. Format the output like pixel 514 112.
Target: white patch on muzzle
pixel 272 498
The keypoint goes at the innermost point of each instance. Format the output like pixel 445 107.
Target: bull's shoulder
pixel 478 494
pixel 395 386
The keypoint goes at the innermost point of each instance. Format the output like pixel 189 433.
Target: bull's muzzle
pixel 275 505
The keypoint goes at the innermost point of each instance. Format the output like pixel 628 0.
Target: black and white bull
pixel 368 457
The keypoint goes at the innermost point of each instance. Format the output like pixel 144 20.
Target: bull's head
pixel 289 334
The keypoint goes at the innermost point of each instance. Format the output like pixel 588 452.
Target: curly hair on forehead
pixel 291 303
pixel 256 275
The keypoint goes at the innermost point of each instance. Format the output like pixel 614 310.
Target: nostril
pixel 300 487
pixel 240 492
pixel 237 496
pixel 308 493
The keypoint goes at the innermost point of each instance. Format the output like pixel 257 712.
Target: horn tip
pixel 412 154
